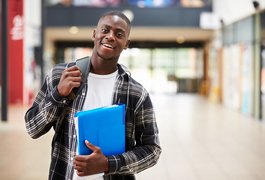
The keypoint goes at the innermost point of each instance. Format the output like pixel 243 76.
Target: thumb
pixel 91 146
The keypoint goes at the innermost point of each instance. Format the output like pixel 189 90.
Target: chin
pixel 105 56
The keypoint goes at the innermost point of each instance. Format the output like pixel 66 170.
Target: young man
pixel 107 83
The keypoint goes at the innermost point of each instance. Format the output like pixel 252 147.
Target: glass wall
pixel 166 70
pixel 238 66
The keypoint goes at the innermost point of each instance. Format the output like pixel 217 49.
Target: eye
pixel 120 34
pixel 104 30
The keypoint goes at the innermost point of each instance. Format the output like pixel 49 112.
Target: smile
pixel 107 45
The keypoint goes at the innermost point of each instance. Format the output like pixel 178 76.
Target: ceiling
pixel 158 34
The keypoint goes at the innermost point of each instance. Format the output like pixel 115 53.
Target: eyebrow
pixel 118 29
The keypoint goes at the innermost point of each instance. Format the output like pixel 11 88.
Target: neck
pixel 101 66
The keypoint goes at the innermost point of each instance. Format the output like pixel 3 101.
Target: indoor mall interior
pixel 201 61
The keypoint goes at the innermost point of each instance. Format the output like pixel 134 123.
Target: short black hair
pixel 119 14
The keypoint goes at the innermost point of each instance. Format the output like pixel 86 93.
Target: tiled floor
pixel 200 141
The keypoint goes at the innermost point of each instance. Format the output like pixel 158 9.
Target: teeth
pixel 108 46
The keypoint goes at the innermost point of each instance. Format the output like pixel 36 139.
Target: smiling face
pixel 111 37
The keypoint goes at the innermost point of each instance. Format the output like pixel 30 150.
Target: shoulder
pixel 125 73
pixel 59 68
pixel 136 88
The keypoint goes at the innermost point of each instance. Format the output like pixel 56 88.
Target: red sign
pixel 15 51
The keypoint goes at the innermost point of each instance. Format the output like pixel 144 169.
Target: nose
pixel 111 35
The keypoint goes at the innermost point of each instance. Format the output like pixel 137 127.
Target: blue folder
pixel 103 127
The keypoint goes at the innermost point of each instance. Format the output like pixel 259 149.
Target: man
pixel 107 83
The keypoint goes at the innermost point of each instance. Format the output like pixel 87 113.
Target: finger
pixel 80 173
pixel 72 68
pixel 78 168
pixel 91 146
pixel 72 85
pixel 80 159
pixel 75 79
pixel 75 73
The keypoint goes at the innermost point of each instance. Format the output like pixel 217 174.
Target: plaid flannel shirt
pixel 52 110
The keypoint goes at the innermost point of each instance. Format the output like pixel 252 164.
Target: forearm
pixel 134 161
pixel 46 110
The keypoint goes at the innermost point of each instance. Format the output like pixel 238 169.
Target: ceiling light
pixel 180 39
pixel 129 14
pixel 73 30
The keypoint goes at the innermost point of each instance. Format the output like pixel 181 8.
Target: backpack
pixel 84 65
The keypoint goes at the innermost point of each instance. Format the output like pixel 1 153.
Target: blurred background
pixel 214 48
pixel 203 58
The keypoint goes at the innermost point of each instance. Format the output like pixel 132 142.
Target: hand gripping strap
pixel 84 65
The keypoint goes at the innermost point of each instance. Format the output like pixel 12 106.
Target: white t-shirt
pixel 99 93
pixel 100 90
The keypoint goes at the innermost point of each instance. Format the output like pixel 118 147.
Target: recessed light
pixel 73 30
pixel 129 14
pixel 180 39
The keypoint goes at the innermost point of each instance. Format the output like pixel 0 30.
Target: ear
pixel 94 35
pixel 127 44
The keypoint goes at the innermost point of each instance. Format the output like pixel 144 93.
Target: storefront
pixel 232 67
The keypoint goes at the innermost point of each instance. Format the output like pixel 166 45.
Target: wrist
pixel 106 169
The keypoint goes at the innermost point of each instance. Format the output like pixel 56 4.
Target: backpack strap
pixel 84 65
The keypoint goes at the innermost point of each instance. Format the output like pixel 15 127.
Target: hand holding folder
pixel 103 127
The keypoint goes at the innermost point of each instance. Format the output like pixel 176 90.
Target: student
pixel 107 83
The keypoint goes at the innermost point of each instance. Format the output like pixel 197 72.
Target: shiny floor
pixel 200 140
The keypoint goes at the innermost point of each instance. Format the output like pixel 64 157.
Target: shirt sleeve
pixel 47 109
pixel 147 148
